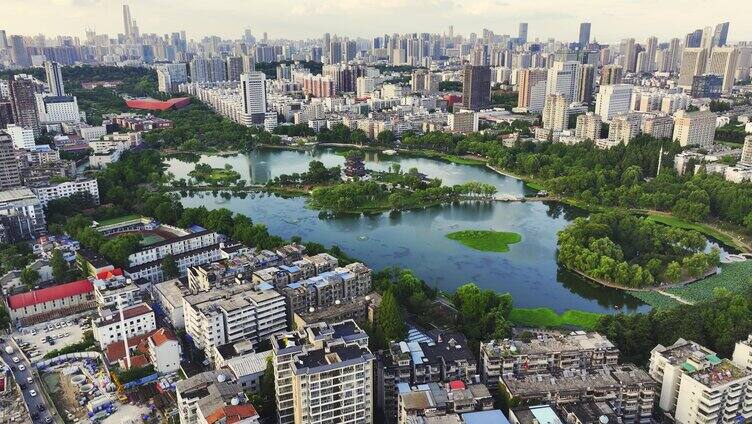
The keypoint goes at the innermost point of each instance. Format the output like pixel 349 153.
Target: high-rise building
pixel 522 33
pixel 693 39
pixel 324 373
pixel 696 386
pixel 613 100
pixel 199 70
pixel 586 84
pixel 651 48
pixel 23 101
pixel 249 63
pixel 54 78
pixel 6 114
pixel 127 22
pixel 692 63
pixel 527 80
pixel 721 34
pixel 476 87
pixel 9 172
pixel 564 78
pixel 611 74
pixel 3 39
pixel 694 128
pixel 253 91
pixel 588 126
pixel 335 51
pixel 584 38
pixel 555 115
pixel 747 151
pixel 170 75
pixel 19 54
pixel 234 68
pixel 628 51
pixel 723 62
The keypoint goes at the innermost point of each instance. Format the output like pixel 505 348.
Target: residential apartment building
pixel 627 389
pixel 10 176
pixel 555 116
pixel 133 321
pixel 21 215
pixel 328 289
pixel 613 100
pixel 324 373
pixel 698 387
pixel 211 397
pixel 231 313
pixel 746 158
pixel 46 193
pixel 527 80
pixel 191 249
pixel 463 121
pixel 694 128
pixel 439 360
pixel 543 354
pixel 693 63
pixel 624 128
pixel 588 126
pixel 433 400
pixel 657 125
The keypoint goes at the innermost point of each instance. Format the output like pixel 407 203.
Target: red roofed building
pixel 51 302
pixel 159 348
pixel 153 104
pixel 231 414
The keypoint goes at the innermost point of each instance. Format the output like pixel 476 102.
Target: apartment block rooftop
pixel 681 351
pixel 606 377
pixel 316 335
pixel 331 357
pixel 552 343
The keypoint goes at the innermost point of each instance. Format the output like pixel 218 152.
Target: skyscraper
pixel 9 173
pixel 54 78
pixel 723 63
pixel 584 35
pixel 253 90
pixel 19 53
pixel 628 51
pixel 651 47
pixel 721 34
pixel 234 68
pixel 611 74
pixel 555 112
pixel 693 63
pixel 585 86
pixel 476 87
pixel 522 34
pixel 3 39
pixel 527 80
pixel 693 39
pixel 564 78
pixel 127 22
pixel 613 100
pixel 23 101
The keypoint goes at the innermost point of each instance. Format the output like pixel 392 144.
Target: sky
pixel 611 20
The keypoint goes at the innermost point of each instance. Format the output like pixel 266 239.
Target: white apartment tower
pixel 694 128
pixel 613 100
pixel 323 373
pixel 555 112
pixel 564 78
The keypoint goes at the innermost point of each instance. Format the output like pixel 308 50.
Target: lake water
pixel 416 239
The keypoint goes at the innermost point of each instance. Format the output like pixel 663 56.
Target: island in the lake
pixel 486 240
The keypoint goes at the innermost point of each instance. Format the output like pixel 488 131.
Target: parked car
pixel 21 367
pixel 32 392
pixel 16 360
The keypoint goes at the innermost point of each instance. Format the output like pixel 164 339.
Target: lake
pixel 417 239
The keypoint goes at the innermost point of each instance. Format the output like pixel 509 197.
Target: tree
pixel 29 277
pixel 170 267
pixel 673 272
pixel 391 324
pixel 59 266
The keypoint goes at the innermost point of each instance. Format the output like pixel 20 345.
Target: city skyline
pixel 306 20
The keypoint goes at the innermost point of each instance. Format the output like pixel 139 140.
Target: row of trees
pixel 633 251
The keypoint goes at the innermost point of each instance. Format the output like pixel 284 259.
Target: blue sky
pixel 612 19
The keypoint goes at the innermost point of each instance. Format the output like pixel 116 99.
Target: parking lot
pixel 63 332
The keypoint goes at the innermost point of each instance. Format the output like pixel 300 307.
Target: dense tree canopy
pixel 633 251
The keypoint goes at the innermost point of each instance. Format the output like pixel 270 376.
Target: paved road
pixel 21 376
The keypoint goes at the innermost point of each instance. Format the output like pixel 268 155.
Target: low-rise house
pixel 51 302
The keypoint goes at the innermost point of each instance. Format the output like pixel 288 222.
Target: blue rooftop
pixel 493 416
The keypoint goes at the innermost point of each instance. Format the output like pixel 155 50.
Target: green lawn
pixel 686 225
pixel 655 299
pixel 547 318
pixel 118 220
pixel 534 186
pixel 735 277
pixel 486 241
